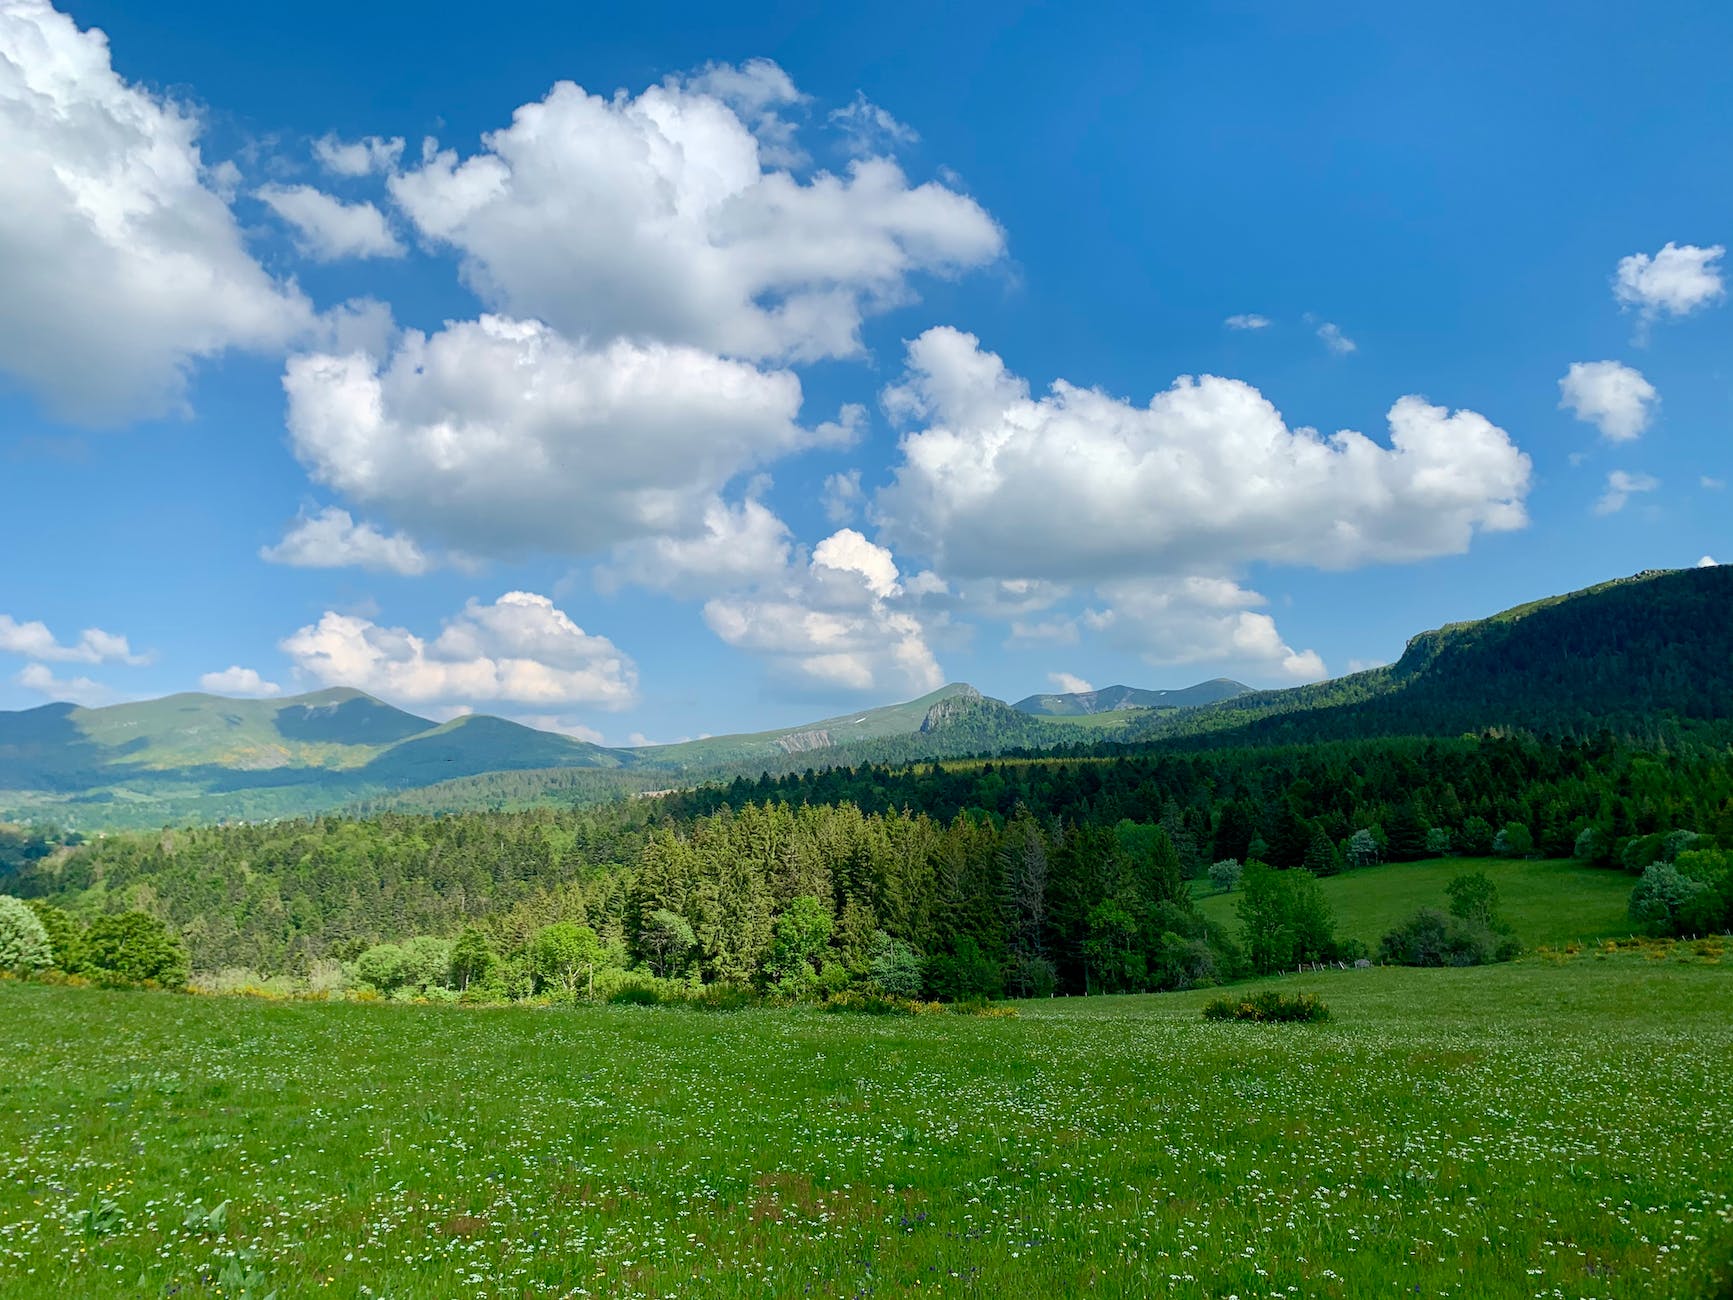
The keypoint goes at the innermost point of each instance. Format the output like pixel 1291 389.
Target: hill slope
pixel 205 756
pixel 1545 902
pixel 1647 656
pixel 827 733
pixel 955 719
pixel 1113 699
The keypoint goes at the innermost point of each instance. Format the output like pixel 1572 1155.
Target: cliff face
pixel 802 742
pixel 965 703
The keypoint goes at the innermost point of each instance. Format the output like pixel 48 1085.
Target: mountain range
pixel 208 757
pixel 1645 655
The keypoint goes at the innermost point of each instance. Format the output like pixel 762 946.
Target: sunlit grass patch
pixel 1521 1130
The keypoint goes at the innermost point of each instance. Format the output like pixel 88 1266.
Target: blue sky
pixel 715 389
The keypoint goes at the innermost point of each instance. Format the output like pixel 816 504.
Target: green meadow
pixel 1552 1127
pixel 1547 903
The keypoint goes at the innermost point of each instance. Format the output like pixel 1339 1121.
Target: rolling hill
pixel 1115 699
pixel 207 757
pixel 810 737
pixel 1648 657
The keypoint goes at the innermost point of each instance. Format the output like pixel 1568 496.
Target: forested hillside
pixel 1648 657
pixel 1114 699
pixel 989 864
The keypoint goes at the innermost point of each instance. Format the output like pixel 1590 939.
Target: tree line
pixel 1012 875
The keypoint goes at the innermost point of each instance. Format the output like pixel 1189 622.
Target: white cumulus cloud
pixel 358 157
pixel 334 539
pixel 121 264
pixel 1017 499
pixel 328 229
pixel 1614 398
pixel 235 680
pixel 503 436
pixel 1199 620
pixel 1079 485
pixel 1621 487
pixel 869 129
pixel 1707 562
pixel 1247 320
pixel 759 92
pixel 94 646
pixel 847 551
pixel 656 217
pixel 1676 281
pixel 735 546
pixel 76 690
pixel 1333 338
pixel 842 497
pixel 843 619
pixel 520 649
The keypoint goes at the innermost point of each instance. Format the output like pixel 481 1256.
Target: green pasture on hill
pixel 1535 1129
pixel 1548 903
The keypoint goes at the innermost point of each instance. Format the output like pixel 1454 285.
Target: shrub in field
pixel 1673 843
pixel 24 946
pixel 381 968
pixel 1641 850
pixel 1352 952
pixel 1434 938
pixel 1693 895
pixel 1270 1006
pixel 414 968
pixel 635 995
pixel 134 948
pixel 1224 875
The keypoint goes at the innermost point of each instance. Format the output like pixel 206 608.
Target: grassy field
pixel 1551 902
pixel 1536 1129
